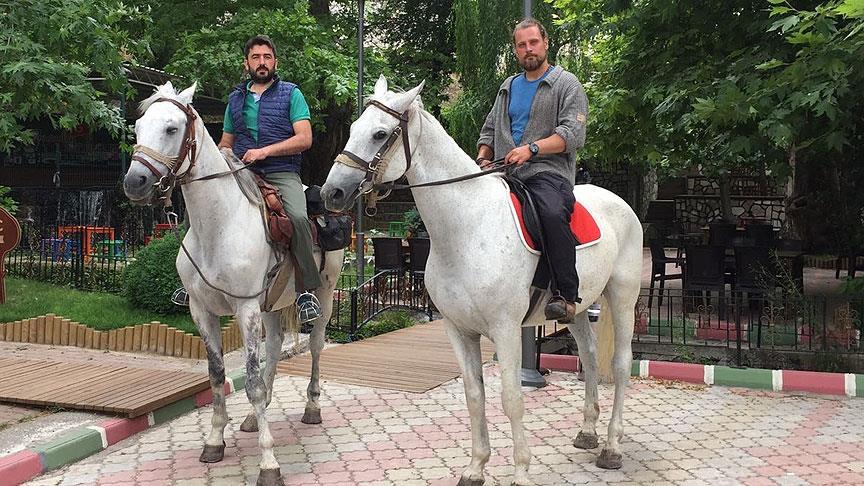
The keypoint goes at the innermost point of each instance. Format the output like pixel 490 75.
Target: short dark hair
pixel 259 40
pixel 529 22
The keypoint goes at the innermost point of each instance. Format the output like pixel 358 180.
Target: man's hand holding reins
pixel 518 156
pixel 254 155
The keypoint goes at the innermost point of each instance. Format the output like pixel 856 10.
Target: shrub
pixel 150 280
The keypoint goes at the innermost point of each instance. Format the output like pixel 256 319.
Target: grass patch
pixel 29 298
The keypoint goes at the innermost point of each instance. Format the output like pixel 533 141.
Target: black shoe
pixel 180 297
pixel 308 307
pixel 560 310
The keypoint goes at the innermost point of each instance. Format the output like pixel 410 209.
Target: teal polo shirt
pixel 299 110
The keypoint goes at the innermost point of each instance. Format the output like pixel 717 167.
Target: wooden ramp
pixel 415 360
pixel 99 388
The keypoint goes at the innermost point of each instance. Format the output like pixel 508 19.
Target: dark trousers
pixel 553 198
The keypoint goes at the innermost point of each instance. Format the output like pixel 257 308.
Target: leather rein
pixel 374 169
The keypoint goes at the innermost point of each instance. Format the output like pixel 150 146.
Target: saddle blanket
pixel 582 225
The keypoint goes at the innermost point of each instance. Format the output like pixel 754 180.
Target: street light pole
pixel 359 236
pixel 530 374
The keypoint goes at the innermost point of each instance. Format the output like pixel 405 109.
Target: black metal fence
pixel 356 303
pixel 776 329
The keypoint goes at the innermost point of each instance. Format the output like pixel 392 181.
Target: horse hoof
pixel 311 416
pixel 585 441
pixel 466 481
pixel 270 477
pixel 250 424
pixel 212 454
pixel 609 460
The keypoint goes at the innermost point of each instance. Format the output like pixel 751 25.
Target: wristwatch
pixel 533 148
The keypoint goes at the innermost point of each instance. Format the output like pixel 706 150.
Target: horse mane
pixel 164 91
pixel 245 178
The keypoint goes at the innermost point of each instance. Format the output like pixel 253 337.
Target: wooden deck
pixel 99 388
pixel 414 360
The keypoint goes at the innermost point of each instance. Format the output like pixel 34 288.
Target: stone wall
pixel 695 211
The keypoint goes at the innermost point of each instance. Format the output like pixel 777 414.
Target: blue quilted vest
pixel 274 126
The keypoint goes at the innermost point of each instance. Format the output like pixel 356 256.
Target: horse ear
pixel 185 96
pixel 404 100
pixel 166 88
pixel 380 86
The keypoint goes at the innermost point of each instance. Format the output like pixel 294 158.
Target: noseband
pixel 188 146
pixel 375 168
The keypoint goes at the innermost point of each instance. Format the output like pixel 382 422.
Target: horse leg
pixel 208 327
pixel 249 318
pixel 273 346
pixel 466 345
pixel 621 302
pixel 508 345
pixel 586 340
pixel 312 414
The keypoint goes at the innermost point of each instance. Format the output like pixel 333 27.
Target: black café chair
pixel 704 271
pixel 659 260
pixel 761 234
pixel 721 233
pixel 418 251
pixel 389 256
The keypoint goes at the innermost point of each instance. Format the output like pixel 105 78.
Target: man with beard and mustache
pixel 536 124
pixel 267 124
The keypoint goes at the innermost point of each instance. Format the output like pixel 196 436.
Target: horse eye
pixel 171 130
pixel 379 135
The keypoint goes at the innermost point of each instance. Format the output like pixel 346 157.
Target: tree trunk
pixel 795 198
pixel 319 8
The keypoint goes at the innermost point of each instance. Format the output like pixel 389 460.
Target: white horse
pixel 226 240
pixel 479 272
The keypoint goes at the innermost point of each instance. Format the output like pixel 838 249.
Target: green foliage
pixel 413 221
pixel 306 54
pixel 150 280
pixel 6 201
pixel 27 298
pixel 49 48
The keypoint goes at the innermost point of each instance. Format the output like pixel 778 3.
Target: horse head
pixel 166 144
pixel 379 147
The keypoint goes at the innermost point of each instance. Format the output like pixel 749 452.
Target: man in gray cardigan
pixel 537 123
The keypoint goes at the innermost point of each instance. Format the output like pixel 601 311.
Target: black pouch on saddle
pixel 334 230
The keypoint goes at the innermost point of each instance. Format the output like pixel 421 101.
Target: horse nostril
pixel 141 181
pixel 337 194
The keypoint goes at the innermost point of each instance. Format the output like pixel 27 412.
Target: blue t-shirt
pixel 522 94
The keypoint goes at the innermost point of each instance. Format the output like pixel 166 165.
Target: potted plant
pixel 414 226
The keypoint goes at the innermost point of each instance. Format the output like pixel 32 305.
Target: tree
pixel 50 49
pixel 725 85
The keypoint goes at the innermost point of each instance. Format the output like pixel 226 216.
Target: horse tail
pixel 291 324
pixel 605 341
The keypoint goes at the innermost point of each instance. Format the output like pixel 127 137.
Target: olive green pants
pixel 291 189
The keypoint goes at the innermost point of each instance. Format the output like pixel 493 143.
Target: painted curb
pixel 85 441
pixel 823 383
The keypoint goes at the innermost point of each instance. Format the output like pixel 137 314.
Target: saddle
pixel 582 225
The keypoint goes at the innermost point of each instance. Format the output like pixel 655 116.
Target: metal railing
pixel 738 325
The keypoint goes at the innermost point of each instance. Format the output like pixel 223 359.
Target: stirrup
pixel 308 307
pixel 180 297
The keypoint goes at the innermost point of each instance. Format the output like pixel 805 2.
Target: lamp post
pixel 530 374
pixel 359 236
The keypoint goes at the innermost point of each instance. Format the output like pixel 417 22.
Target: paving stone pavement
pixel 675 434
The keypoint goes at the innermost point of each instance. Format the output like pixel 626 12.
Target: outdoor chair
pixel 755 275
pixel 721 233
pixel 761 234
pixel 704 271
pixel 418 251
pixel 659 260
pixel 389 257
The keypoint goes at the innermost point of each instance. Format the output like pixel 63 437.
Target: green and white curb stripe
pixel 85 441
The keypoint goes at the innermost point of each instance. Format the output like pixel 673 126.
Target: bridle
pixel 374 169
pixel 188 147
